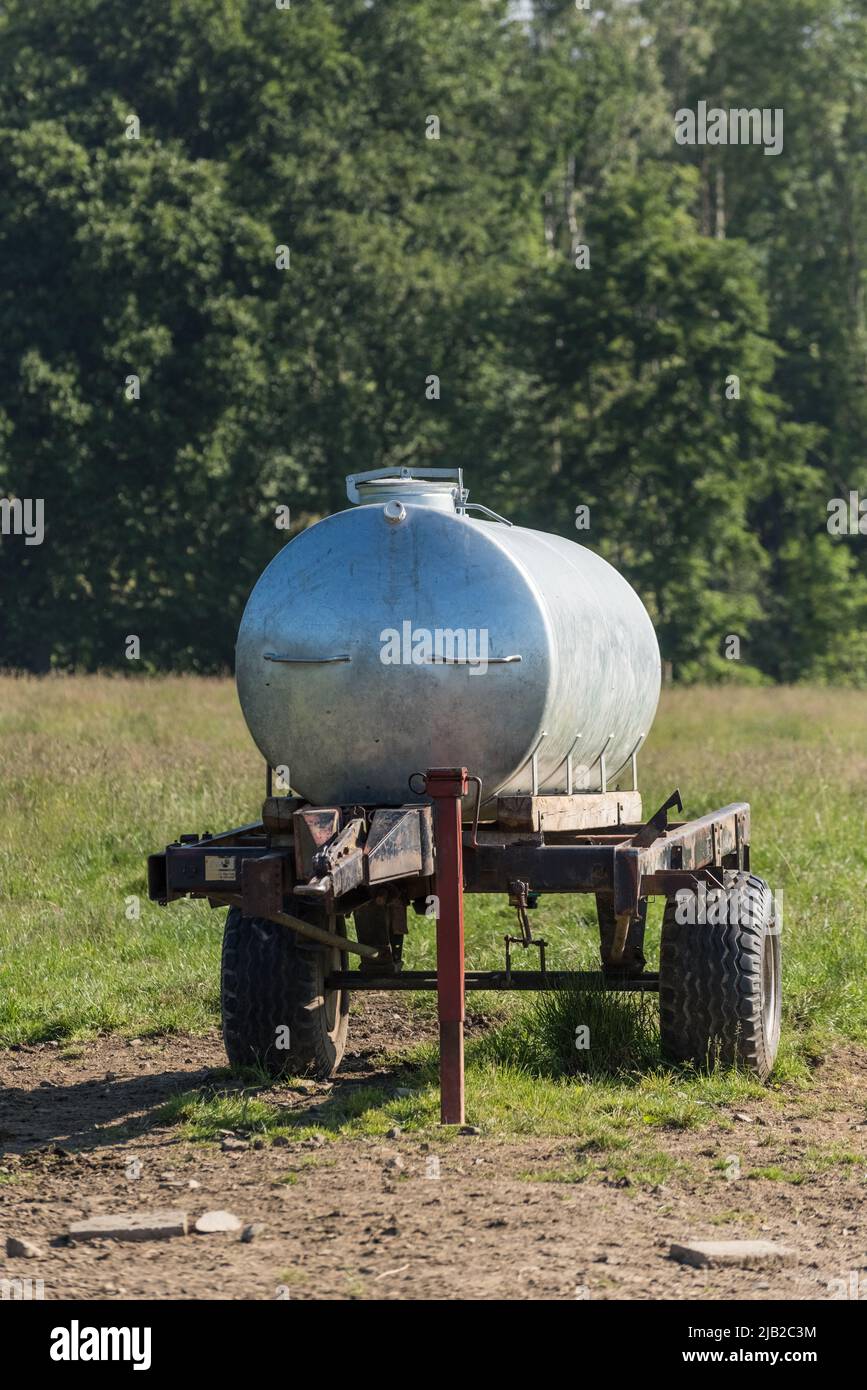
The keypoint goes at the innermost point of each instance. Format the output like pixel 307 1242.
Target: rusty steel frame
pixel 626 863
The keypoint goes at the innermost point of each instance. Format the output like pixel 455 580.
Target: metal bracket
pixel 522 899
pixel 263 884
pixel 657 826
pixel 338 865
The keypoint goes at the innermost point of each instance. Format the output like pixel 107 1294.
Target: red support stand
pixel 446 786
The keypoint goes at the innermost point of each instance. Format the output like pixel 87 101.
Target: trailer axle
pixel 498 979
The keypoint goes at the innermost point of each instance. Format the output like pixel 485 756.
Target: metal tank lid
pixel 441 488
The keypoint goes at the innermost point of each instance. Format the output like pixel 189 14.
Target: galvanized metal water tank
pixel 404 634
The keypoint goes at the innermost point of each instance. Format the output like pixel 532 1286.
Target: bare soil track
pixel 363 1218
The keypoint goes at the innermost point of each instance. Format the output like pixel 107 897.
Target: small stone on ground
pixel 22 1249
pixel 212 1221
pixel 139 1225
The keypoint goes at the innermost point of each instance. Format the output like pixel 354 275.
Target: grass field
pixel 98 772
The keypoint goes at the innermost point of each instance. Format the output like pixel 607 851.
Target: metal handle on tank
pixel 470 661
pixel 303 660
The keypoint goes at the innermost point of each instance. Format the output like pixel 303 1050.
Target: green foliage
pixel 155 257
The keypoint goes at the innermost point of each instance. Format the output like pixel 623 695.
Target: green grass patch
pixel 773 1173
pixel 735 1217
pixel 504 1098
pixel 644 1167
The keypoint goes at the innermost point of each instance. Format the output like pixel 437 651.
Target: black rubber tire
pixel 270 981
pixel 719 986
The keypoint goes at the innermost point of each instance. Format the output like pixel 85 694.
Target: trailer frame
pixel 300 862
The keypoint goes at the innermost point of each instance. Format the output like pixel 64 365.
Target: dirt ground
pixel 364 1218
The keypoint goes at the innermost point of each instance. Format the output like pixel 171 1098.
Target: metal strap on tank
pixel 569 787
pixel 534 760
pixel 603 775
pixel 633 758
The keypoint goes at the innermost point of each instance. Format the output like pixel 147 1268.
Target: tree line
pixel 247 249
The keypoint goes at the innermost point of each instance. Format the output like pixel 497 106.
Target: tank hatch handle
pixel 304 660
pixel 407 474
pixel 477 507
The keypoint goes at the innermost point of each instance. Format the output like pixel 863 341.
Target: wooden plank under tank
pixel 581 811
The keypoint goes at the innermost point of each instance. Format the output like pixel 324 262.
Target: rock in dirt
pixel 212 1221
pixel 139 1225
pixel 234 1145
pixel 742 1254
pixel 252 1231
pixel 22 1249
